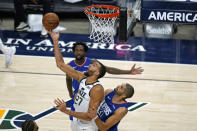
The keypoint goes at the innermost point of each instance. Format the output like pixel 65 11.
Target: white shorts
pixel 76 125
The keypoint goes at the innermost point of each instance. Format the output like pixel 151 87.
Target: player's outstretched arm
pixel 61 105
pixel 132 71
pixel 112 120
pixel 59 59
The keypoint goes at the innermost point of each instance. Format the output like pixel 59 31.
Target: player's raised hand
pixel 135 71
pixel 54 35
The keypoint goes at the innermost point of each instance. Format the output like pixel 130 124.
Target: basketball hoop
pixel 102 19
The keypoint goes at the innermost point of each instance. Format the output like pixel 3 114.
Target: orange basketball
pixel 50 21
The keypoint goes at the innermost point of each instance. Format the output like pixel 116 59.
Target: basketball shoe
pixel 9 53
pixel 22 27
pixel 43 33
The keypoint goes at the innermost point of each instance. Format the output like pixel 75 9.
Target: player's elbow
pixel 108 69
pixel 88 118
pixel 68 79
pixel 60 65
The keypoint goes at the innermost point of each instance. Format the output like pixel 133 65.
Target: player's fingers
pixel 59 101
pixel 133 66
pixel 139 68
pixel 63 101
pixel 55 101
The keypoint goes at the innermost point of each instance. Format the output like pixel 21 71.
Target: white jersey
pixel 82 99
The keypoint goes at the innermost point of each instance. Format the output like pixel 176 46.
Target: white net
pixel 102 23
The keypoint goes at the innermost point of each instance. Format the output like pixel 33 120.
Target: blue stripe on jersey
pixel 75 83
pixel 107 108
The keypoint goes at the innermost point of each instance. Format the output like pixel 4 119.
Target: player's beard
pixel 89 73
pixel 79 57
pixel 116 92
pixel 86 73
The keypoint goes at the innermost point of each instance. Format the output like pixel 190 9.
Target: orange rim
pixel 116 14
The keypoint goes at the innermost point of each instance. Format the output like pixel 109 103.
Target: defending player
pixel 113 108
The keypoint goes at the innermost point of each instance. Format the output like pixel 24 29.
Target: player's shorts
pixel 80 125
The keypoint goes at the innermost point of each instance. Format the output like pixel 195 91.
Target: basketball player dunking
pixel 90 93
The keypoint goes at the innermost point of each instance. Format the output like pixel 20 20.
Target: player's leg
pixel 74 124
pixel 9 53
pixel 2 47
pixel 47 7
pixel 20 15
pixel 86 126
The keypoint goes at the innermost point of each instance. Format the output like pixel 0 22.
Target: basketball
pixel 50 21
